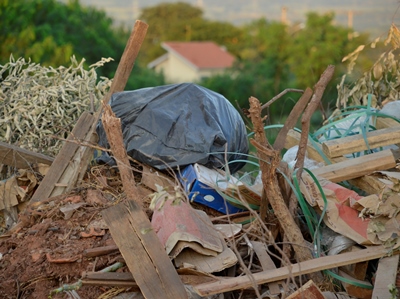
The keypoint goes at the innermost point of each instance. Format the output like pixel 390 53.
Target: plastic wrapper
pixel 177 125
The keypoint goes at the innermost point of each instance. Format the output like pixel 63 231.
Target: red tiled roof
pixel 201 54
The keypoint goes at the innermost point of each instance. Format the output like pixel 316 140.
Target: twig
pixel 280 95
pixel 292 119
pixel 319 89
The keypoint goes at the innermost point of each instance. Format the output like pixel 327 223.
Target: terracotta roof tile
pixel 201 54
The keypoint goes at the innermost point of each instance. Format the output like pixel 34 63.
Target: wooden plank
pixel 356 143
pixel 121 276
pixel 110 283
pixel 302 268
pixel 99 251
pixel 67 152
pixel 152 177
pixel 367 183
pixel 21 158
pixel 385 276
pixel 267 264
pixel 357 167
pixel 142 251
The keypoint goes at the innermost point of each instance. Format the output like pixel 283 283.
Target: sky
pixel 374 16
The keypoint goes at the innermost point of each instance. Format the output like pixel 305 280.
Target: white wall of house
pixel 177 71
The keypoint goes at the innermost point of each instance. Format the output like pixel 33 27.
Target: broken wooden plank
pixel 48 187
pixel 111 276
pixel 302 268
pixel 267 264
pixel 385 276
pixel 110 283
pixel 99 251
pixel 21 158
pixel 142 251
pixel 152 177
pixel 356 143
pixel 357 167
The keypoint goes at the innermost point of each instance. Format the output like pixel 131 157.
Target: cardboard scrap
pixel 209 264
pixel 222 182
pixel 17 188
pixel 367 220
pixel 390 179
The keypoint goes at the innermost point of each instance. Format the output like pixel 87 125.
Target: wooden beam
pixel 357 143
pixel 385 276
pixel 357 167
pixel 367 183
pixel 21 158
pixel 268 264
pixel 302 268
pixel 99 251
pixel 112 276
pixel 142 251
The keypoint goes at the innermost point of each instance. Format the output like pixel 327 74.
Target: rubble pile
pixel 313 215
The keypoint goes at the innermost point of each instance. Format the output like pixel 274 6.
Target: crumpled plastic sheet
pixel 177 125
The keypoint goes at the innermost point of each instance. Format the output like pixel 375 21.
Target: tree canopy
pixel 50 32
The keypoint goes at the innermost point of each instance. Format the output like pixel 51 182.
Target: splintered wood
pixel 143 253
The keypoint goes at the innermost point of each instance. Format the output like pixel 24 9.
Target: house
pixel 191 61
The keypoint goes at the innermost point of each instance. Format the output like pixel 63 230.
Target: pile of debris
pixel 160 221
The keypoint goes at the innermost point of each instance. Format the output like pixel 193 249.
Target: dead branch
pixel 128 59
pixel 112 127
pixel 292 119
pixel 319 89
pixel 269 161
pixel 271 101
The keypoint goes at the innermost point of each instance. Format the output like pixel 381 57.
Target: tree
pixel 319 44
pixel 268 42
pixel 50 32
